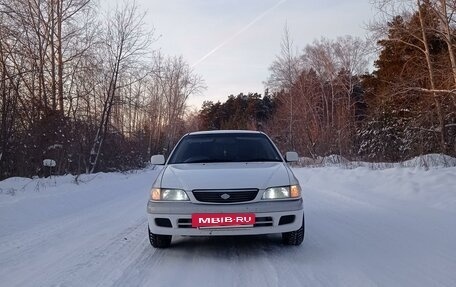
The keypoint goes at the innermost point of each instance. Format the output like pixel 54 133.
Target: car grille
pixel 225 196
pixel 263 221
pixel 259 222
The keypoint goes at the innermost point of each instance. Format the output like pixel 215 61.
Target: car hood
pixel 225 175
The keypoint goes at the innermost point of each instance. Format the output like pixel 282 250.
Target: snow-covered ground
pixel 391 227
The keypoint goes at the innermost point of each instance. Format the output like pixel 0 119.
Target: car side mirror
pixel 157 159
pixel 291 156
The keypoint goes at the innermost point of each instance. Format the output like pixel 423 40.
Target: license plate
pixel 223 219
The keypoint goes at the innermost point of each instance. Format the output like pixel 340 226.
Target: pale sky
pixel 232 43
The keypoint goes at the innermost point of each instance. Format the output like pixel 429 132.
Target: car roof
pixel 224 132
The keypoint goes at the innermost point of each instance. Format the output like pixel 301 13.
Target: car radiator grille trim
pixel 225 196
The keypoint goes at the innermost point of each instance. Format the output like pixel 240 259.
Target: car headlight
pixel 282 192
pixel 168 194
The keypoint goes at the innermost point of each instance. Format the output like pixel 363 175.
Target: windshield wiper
pixel 207 161
pixel 261 160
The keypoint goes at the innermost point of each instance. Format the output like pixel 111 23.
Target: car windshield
pixel 232 147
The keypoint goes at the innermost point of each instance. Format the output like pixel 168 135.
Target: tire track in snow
pixel 54 248
pixel 386 237
pixel 217 261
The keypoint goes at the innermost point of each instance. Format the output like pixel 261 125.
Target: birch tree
pixel 285 71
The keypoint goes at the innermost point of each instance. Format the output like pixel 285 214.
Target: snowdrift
pixel 423 161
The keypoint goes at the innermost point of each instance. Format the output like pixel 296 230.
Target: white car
pixel 225 183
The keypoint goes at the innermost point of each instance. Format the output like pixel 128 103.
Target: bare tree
pixel 8 98
pixel 174 83
pixel 285 71
pixel 125 42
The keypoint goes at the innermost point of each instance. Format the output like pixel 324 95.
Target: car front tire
pixel 159 241
pixel 294 237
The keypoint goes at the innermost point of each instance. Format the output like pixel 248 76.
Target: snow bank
pixel 432 188
pixel 431 160
pixel 423 161
pixel 14 188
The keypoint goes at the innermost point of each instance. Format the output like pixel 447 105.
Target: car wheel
pixel 294 237
pixel 159 241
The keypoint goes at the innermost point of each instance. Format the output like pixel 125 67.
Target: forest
pixel 85 88
pixel 322 99
pixel 90 90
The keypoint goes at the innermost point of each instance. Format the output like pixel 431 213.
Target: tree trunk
pixel 59 9
pixel 436 97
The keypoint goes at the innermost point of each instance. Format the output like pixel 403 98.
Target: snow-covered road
pixel 393 227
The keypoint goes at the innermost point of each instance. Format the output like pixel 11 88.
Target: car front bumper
pixel 174 218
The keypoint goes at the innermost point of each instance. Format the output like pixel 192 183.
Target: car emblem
pixel 225 196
